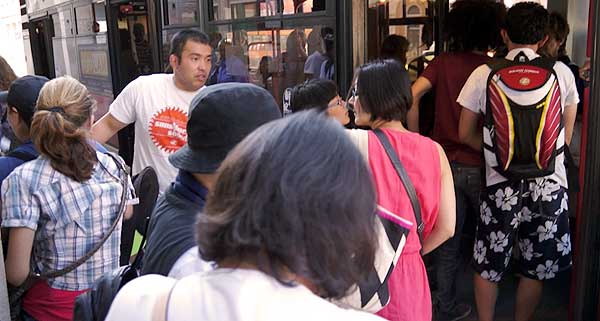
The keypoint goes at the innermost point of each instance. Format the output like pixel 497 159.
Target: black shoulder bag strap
pixel 408 185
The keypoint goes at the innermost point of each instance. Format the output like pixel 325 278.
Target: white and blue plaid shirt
pixel 69 218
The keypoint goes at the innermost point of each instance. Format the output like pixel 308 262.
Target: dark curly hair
pixel 526 23
pixel 294 196
pixel 475 25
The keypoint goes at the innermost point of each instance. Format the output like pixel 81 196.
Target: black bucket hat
pixel 220 117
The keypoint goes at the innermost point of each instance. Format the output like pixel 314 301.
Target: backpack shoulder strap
pixel 22 155
pixel 544 62
pixel 499 63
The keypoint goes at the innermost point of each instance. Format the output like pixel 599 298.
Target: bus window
pixel 274 59
pixel 180 12
pixel 302 6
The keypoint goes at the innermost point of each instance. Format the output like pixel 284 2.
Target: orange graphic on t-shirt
pixel 168 129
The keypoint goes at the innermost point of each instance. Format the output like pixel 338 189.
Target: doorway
pixel 134 52
pixel 41 32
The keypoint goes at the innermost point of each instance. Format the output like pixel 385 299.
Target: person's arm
pixel 20 243
pixel 106 128
pixel 446 221
pixel 468 129
pixel 569 116
pixel 419 88
pixel 128 212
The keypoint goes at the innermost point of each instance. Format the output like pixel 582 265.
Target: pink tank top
pixel 408 284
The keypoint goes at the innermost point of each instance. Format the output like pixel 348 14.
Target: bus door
pixel 41 32
pixel 134 52
pixel 415 21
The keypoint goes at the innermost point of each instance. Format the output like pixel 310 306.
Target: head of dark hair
pixel 314 93
pixel 326 31
pixel 288 194
pixel 526 23
pixel 475 25
pixel 181 38
pixel 58 127
pixel 558 27
pixel 384 90
pixel 394 47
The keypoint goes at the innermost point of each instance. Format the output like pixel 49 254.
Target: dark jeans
pixel 467 186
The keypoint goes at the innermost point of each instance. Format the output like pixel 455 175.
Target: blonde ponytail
pixel 58 127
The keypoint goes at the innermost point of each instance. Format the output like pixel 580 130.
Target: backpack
pixel 523 137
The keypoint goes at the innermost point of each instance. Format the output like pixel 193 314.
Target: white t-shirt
pixel 312 66
pixel 225 295
pixel 473 98
pixel 159 110
pixel 189 263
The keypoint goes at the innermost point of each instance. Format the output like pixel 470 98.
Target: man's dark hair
pixel 558 27
pixel 526 23
pixel 475 25
pixel 182 37
pixel 294 196
pixel 314 93
pixel 395 47
pixel 384 90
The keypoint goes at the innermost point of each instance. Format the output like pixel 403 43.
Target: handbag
pixel 16 293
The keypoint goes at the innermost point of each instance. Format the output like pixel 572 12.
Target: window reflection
pixel 239 9
pixel 302 6
pixel 181 12
pixel 273 59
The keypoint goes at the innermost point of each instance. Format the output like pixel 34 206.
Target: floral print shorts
pixel 531 214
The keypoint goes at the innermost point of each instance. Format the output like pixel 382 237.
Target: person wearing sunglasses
pixel 319 94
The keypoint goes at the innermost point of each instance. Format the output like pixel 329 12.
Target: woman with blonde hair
pixel 63 210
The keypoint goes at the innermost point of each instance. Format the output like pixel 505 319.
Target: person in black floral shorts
pixel 529 213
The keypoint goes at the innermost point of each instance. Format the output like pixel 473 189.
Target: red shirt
pixel 447 74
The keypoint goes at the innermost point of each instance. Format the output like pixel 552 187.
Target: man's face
pixel 191 71
pixel 18 126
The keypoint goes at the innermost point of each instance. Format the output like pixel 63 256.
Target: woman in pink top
pixel 381 98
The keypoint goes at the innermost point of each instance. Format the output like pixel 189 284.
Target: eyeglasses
pixel 337 102
pixel 351 98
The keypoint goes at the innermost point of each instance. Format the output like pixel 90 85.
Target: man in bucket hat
pixel 220 116
pixel 20 99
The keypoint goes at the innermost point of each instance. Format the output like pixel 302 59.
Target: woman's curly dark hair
pixel 475 25
pixel 294 196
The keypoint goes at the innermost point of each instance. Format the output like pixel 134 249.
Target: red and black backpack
pixel 524 137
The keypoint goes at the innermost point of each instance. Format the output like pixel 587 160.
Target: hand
pixel 584 71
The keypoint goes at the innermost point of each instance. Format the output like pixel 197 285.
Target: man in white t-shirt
pixel 529 212
pixel 158 104
pixel 312 66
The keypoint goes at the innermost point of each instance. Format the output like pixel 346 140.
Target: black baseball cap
pixel 220 117
pixel 23 94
